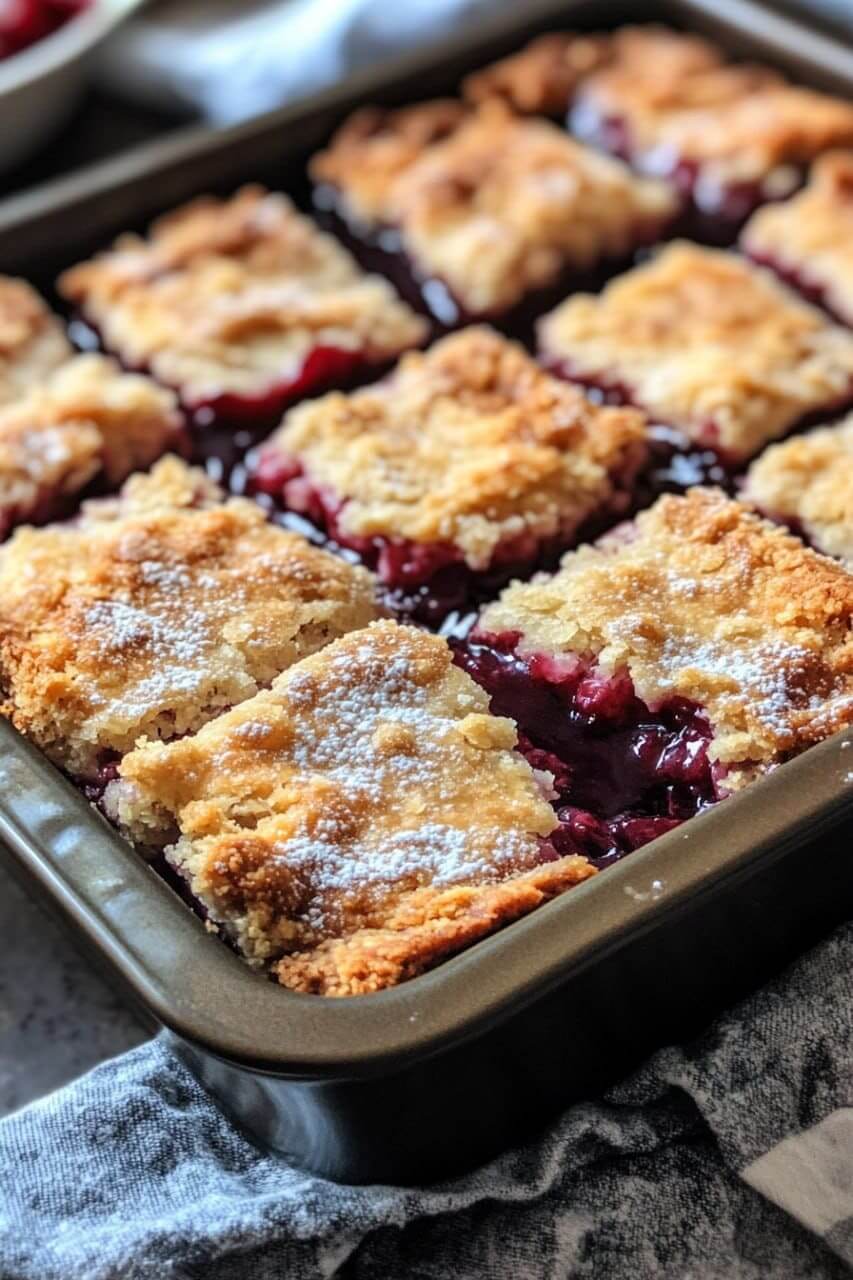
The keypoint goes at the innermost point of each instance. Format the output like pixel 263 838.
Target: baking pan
pixel 416 1082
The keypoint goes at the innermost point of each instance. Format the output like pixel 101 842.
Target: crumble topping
pixel 234 296
pixel 86 419
pixel 739 122
pixel 707 342
pixel 809 481
pixel 360 821
pixel 32 340
pixel 470 444
pixel 374 146
pixel 811 235
pixel 701 599
pixel 169 484
pixel 153 621
pixel 544 76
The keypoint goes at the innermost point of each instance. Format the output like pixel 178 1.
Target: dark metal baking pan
pixel 414 1082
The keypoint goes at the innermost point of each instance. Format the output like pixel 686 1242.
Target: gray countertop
pixel 57 1017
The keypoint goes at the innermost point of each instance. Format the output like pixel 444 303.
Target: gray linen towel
pixel 731 1157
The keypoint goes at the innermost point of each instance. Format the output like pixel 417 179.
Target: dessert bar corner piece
pixel 467 464
pixel 545 75
pixel 154 612
pixel 808 240
pixel 807 484
pixel 32 340
pixel 242 305
pixel 86 423
pixel 501 209
pixel 708 343
pixel 730 136
pixel 685 655
pixel 357 823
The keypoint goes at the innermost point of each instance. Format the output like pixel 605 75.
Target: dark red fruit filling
pixel 381 250
pixel 677 462
pixel 24 22
pixel 426 581
pixel 798 280
pixel 325 367
pixel 623 774
pixel 714 213
pixel 106 772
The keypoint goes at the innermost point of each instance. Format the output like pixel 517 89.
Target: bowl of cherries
pixel 44 45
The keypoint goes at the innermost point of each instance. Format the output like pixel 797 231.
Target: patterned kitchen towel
pixel 731 1157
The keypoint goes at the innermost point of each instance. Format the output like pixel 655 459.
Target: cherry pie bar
pixel 32 340
pixel 685 655
pixel 357 823
pixel 808 240
pixel 85 424
pixel 499 210
pixel 544 77
pixel 807 484
pixel 708 343
pixel 242 305
pixel 466 465
pixel 155 612
pixel 728 136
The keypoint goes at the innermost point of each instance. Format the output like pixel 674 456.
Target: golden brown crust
pixel 363 818
pixel 809 481
pixel 429 926
pixel 701 599
pixel 811 235
pixel 232 296
pixel 32 340
pixel 544 76
pixel 153 621
pixel 709 343
pixel 740 122
pixel 86 419
pixel 471 443
pixel 373 147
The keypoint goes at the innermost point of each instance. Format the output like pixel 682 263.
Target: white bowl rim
pixel 73 39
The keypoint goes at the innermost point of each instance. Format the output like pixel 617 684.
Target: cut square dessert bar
pixel 729 136
pixel 241 305
pixel 807 483
pixel 146 618
pixel 356 824
pixel 708 343
pixel 685 655
pixel 465 465
pixel 808 240
pixel 85 423
pixel 501 208
pixel 544 77
pixel 32 339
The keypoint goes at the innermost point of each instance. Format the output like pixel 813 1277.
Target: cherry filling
pixel 424 581
pixel 324 369
pixel 677 462
pixel 24 22
pixel 714 211
pixel 623 774
pixel 105 772
pixel 381 250
pixel 799 280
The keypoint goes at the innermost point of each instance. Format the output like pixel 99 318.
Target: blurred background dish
pixel 44 49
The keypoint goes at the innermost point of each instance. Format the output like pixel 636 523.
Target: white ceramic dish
pixel 39 86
